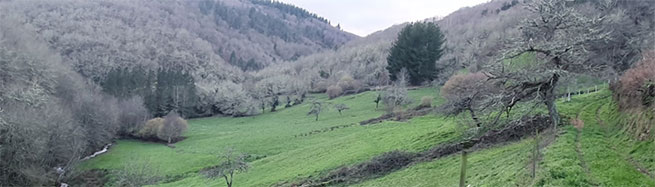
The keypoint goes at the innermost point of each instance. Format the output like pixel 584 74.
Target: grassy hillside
pixel 273 138
pixel 596 155
pixel 279 154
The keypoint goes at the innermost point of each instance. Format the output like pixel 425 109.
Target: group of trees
pixel 167 129
pixel 162 91
pixel 50 116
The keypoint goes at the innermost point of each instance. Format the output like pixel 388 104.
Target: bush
pixel 426 102
pixel 334 91
pixel 166 129
pixel 320 86
pixel 150 129
pixel 636 88
pixel 463 85
pixel 347 83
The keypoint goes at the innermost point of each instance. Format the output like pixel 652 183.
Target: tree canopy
pixel 418 47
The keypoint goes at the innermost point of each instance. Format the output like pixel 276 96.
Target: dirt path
pixel 627 157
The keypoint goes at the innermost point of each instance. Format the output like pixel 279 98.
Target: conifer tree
pixel 417 49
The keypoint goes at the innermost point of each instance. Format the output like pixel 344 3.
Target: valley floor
pixel 288 146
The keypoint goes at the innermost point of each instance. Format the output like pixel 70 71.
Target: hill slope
pixel 95 36
pixel 288 146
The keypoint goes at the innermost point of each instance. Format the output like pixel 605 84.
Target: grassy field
pixel 271 137
pixel 603 159
pixel 575 158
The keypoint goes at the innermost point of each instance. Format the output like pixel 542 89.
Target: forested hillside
pixel 210 42
pixel 475 37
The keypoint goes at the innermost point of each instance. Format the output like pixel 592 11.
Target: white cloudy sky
pixel 363 17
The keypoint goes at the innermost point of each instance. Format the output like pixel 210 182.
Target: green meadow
pixel 281 152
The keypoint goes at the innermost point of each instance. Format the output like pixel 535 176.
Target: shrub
pixel 150 129
pixel 334 91
pixel 426 101
pixel 635 93
pixel 166 129
pixel 347 83
pixel 636 88
pixel 320 86
pixel 463 85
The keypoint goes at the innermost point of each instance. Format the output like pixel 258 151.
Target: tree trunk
pixel 231 177
pixel 474 117
pixel 549 95
pixel 227 181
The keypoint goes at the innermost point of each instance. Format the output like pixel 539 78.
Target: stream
pixel 104 150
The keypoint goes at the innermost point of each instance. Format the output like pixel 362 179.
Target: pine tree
pixel 417 49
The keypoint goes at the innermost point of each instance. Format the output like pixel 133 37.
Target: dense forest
pixel 77 75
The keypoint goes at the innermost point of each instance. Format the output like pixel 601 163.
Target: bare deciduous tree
pixel 341 107
pixel 396 95
pixel 316 108
pixel 173 127
pixel 466 92
pixel 557 34
pixel 231 163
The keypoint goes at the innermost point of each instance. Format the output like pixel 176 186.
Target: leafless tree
pixel 173 127
pixel 136 172
pixel 231 163
pixel 396 95
pixel 467 92
pixel 316 108
pixel 558 35
pixel 341 107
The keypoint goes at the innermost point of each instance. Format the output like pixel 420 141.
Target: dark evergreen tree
pixel 417 49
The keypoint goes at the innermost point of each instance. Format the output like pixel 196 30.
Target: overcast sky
pixel 363 17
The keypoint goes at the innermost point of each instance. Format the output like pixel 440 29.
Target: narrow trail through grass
pixel 639 167
pixel 579 125
pixel 607 167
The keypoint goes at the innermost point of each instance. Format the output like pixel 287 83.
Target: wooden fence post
pixel 535 154
pixel 462 174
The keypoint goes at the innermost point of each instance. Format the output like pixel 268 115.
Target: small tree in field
pixel 232 163
pixel 377 101
pixel 173 127
pixel 341 107
pixel 396 95
pixel 316 109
